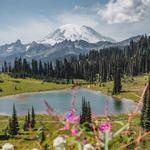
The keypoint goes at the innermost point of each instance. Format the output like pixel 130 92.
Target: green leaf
pixel 119 122
pixel 79 145
pixel 120 130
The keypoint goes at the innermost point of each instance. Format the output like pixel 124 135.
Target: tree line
pixel 101 65
pixel 13 126
pixel 145 112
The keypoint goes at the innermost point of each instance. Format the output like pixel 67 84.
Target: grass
pixel 25 140
pixel 12 86
pixel 132 88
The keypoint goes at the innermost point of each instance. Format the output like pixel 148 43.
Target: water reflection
pixel 61 101
pixel 118 105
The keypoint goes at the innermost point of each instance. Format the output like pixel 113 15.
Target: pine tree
pixel 145 113
pixel 85 116
pixel 133 60
pixel 9 68
pixel 33 118
pixel 51 70
pixel 117 81
pixel 13 123
pixel 28 120
pixel 10 126
pixel 5 67
pixel 41 68
pixel 89 119
pixel 43 136
pixel 25 126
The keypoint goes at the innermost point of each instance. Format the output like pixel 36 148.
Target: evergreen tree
pixel 133 60
pixel 51 70
pixel 10 126
pixel 25 126
pixel 41 68
pixel 33 118
pixel 9 68
pixel 85 116
pixel 5 67
pixel 117 81
pixel 89 119
pixel 43 138
pixel 41 135
pixel 13 123
pixel 82 115
pixel 34 67
pixel 28 119
pixel 145 113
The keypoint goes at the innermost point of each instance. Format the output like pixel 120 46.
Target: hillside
pixel 12 86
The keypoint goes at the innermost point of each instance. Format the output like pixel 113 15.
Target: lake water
pixel 61 102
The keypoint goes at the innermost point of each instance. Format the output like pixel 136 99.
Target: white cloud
pixel 120 11
pixel 78 19
pixel 93 9
pixel 27 30
pixel 34 29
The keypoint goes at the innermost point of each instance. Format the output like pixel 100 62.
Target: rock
pixel 8 146
pixel 59 143
pixel 88 147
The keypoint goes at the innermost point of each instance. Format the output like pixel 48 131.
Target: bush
pixel 3 137
pixel 1 81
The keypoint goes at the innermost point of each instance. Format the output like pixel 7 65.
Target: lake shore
pixel 132 90
pixel 11 86
pixel 30 93
pixel 65 89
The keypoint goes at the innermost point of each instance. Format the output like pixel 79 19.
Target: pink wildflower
pixel 72 118
pixel 66 127
pixel 105 126
pixel 93 116
pixel 74 131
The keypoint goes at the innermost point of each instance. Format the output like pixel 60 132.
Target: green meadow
pixel 12 86
pixel 26 140
pixel 132 87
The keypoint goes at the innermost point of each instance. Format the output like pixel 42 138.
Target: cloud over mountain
pixel 120 11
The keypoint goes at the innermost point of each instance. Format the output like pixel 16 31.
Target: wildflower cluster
pixel 101 135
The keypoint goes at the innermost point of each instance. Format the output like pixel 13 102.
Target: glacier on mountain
pixel 73 33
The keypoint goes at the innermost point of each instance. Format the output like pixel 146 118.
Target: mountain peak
pixel 17 42
pixel 74 32
pixel 69 26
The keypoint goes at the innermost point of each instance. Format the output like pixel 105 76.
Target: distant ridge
pixel 68 40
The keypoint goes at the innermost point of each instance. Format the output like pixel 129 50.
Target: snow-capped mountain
pixel 73 33
pixel 127 41
pixel 68 40
pixel 15 47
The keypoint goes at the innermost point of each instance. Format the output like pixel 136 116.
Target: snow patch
pixel 73 33
pixel 10 49
pixel 27 47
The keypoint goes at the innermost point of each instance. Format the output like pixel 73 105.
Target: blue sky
pixel 30 20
